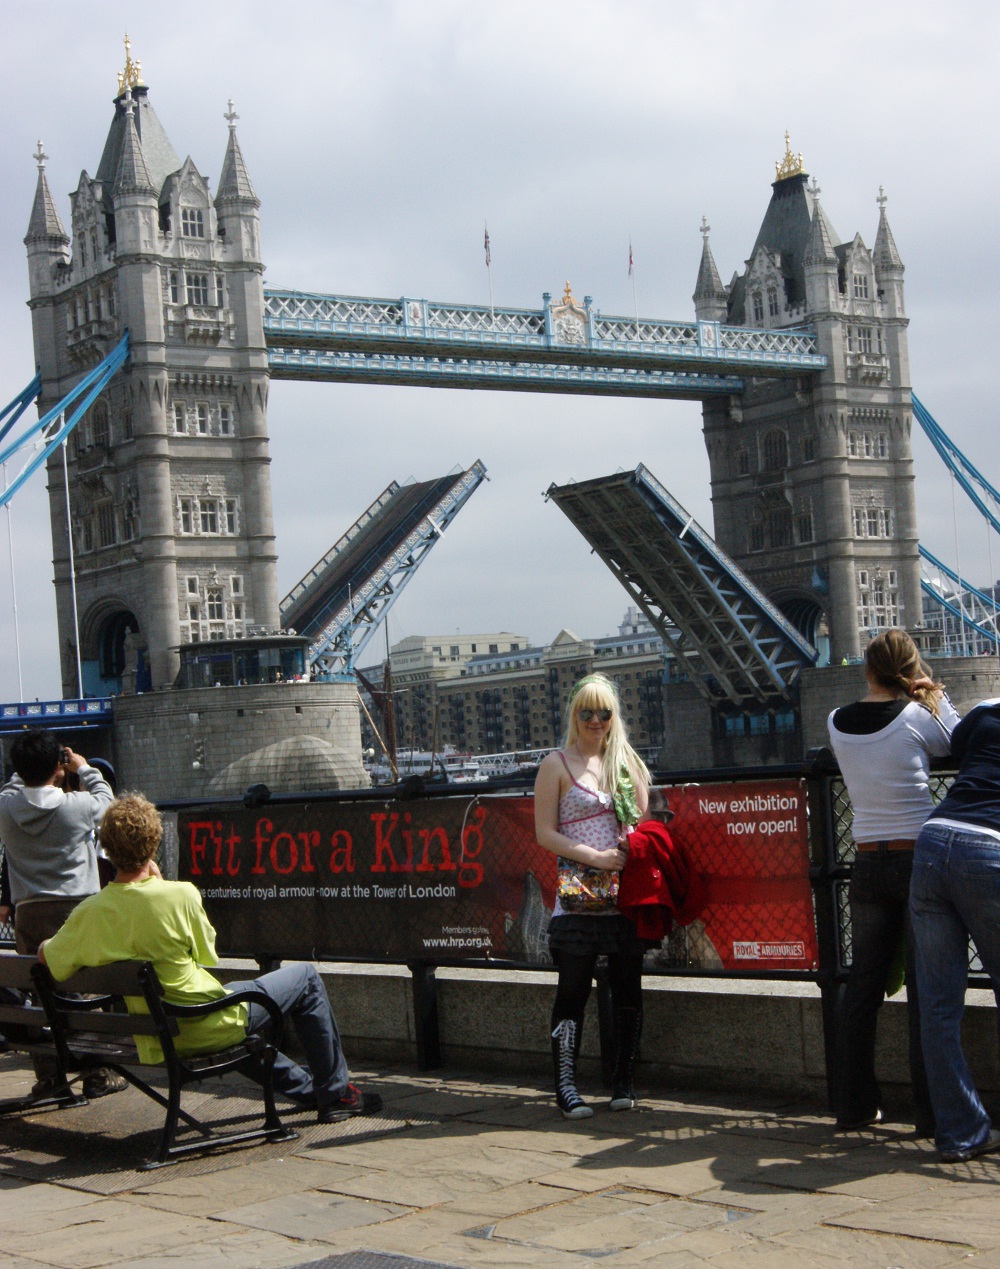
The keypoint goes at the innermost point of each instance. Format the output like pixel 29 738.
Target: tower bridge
pixel 800 363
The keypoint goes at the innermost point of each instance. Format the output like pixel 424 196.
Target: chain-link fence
pixel 842 857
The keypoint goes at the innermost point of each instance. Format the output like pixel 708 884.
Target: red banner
pixel 463 878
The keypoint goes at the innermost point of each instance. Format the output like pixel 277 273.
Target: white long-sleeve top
pixel 887 772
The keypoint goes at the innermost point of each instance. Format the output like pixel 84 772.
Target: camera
pixel 64 756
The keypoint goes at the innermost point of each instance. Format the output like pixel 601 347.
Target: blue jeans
pixel 955 893
pixel 299 993
pixel 880 899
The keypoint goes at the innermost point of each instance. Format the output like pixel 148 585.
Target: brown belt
pixel 896 843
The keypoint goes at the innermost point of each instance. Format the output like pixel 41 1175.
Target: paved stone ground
pixel 478 1171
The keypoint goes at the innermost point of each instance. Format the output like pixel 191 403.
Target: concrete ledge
pixel 699 1033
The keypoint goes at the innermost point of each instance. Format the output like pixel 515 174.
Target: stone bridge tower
pixel 812 481
pixel 169 487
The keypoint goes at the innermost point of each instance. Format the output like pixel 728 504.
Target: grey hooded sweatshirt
pixel 48 837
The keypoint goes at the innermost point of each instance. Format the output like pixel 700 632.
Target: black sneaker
pixel 103 1084
pixel 353 1102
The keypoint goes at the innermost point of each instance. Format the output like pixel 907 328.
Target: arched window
pixel 775 447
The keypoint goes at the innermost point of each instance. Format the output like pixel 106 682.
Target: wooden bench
pixel 94 1031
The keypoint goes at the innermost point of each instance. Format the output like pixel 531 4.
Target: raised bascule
pixel 162 530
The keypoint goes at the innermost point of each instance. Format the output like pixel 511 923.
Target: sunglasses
pixel 603 715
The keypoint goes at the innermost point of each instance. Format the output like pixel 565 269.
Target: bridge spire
pixel 234 183
pixel 44 223
pixel 710 295
pixel 887 262
pixel 819 248
pixel 884 253
pixel 132 175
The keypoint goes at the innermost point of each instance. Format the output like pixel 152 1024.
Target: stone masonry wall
pixel 159 736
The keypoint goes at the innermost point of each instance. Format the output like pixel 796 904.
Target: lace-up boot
pixel 628 1030
pixel 565 1048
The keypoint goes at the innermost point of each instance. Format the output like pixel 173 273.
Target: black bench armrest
pixel 250 996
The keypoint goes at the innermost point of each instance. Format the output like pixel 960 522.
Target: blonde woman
pixel 588 795
pixel 884 744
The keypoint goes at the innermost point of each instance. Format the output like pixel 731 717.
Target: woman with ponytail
pixel 588 797
pixel 884 744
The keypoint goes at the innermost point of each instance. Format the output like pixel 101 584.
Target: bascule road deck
pixel 474 1170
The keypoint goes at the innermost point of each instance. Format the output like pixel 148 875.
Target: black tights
pixel 576 974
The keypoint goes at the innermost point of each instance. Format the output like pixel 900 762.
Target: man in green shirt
pixel 139 916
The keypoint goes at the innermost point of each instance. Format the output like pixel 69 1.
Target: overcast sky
pixel 379 136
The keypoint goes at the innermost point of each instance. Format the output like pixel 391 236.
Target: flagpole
pixel 635 302
pixel 13 592
pixel 72 565
pixel 489 273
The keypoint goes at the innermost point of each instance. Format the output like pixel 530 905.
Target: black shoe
pixel 988 1146
pixel 353 1102
pixel 103 1084
pixel 856 1125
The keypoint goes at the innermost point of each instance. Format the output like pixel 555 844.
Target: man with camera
pixel 48 837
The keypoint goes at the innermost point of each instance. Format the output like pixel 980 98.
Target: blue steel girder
pixel 967 622
pixel 346 631
pixel 486 337
pixel 699 600
pixel 502 376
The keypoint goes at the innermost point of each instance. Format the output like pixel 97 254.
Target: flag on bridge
pixel 486 245
pixel 630 256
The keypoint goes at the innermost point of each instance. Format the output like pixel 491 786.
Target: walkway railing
pixel 334 336
pixel 55 715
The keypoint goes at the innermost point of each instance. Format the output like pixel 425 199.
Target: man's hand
pixel 5 912
pixel 41 951
pixel 74 761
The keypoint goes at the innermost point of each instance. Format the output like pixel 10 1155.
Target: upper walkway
pixel 562 347
pixel 56 715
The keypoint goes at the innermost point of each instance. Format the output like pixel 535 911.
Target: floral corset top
pixel 589 817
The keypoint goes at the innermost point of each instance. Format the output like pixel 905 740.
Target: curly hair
pixel 131 832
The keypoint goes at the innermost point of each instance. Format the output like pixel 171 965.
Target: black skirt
pixel 581 935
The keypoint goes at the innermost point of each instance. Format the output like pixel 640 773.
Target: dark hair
pixel 893 661
pixel 34 755
pixel 130 832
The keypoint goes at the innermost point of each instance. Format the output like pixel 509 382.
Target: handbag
pixel 583 889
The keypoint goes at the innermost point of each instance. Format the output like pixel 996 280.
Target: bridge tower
pixel 169 488
pixel 812 481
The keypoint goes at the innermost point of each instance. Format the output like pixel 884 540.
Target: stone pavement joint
pixel 484 1172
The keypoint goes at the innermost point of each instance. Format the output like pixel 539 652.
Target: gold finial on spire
pixel 568 295
pixel 791 165
pixel 131 76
